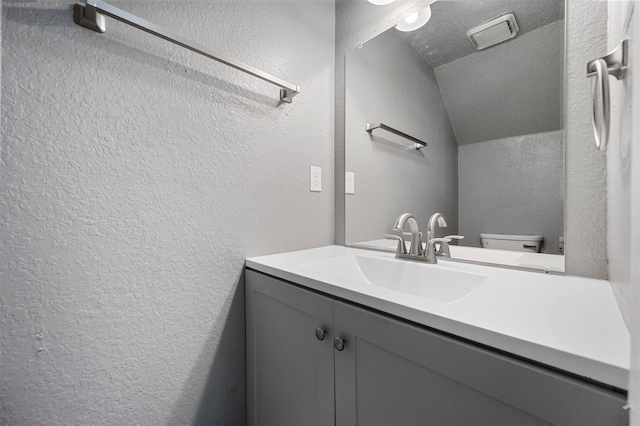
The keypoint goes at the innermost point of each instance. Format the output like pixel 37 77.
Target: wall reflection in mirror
pixel 492 119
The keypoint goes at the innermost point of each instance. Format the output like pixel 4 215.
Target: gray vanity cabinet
pixel 290 371
pixel 391 372
pixel 394 373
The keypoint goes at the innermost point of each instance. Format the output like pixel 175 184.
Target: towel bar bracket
pixel 617 61
pixel 92 14
pixel 88 17
pixel 286 95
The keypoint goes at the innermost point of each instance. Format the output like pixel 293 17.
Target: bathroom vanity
pixel 337 335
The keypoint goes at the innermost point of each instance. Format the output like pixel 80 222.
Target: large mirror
pixel 492 120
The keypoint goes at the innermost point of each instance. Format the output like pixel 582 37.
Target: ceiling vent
pixel 494 31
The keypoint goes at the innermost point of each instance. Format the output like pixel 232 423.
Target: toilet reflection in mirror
pixel 492 120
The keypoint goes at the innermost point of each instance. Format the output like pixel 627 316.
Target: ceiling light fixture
pixel 411 18
pixel 380 2
pixel 415 20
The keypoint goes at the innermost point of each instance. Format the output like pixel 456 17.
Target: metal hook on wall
pixel 615 64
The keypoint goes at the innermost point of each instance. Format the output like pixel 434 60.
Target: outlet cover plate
pixel 315 179
pixel 350 183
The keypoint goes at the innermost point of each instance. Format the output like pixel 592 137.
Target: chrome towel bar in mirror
pixel 615 64
pixel 370 127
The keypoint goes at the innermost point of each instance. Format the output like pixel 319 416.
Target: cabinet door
pixel 394 373
pixel 289 370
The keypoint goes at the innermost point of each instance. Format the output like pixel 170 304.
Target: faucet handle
pixel 402 248
pixel 444 246
pixel 430 252
pixel 432 242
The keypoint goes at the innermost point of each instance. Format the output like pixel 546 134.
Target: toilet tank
pixel 528 243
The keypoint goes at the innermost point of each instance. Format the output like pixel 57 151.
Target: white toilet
pixel 529 243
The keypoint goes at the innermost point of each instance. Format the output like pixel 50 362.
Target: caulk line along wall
pixel 136 178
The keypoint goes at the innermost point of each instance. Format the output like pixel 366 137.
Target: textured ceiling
pixel 512 89
pixel 444 38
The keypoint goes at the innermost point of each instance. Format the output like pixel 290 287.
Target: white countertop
pixel 567 322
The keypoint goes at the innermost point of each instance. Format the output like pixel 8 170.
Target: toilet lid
pixel 511 237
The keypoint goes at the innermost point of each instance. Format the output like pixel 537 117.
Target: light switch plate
pixel 315 179
pixel 350 183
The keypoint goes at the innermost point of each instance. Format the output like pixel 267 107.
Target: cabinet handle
pixel 338 343
pixel 320 333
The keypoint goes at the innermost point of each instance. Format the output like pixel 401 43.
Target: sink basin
pixel 435 282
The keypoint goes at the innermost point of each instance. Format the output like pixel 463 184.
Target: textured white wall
pixel 619 168
pixel 585 167
pixel 136 178
pixel 623 155
pixel 389 82
pixel 530 169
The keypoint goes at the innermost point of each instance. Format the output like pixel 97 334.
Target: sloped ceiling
pixel 511 89
pixel 444 38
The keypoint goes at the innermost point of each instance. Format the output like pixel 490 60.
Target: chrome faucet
pixel 444 250
pixel 416 252
pixel 431 228
pixel 416 240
